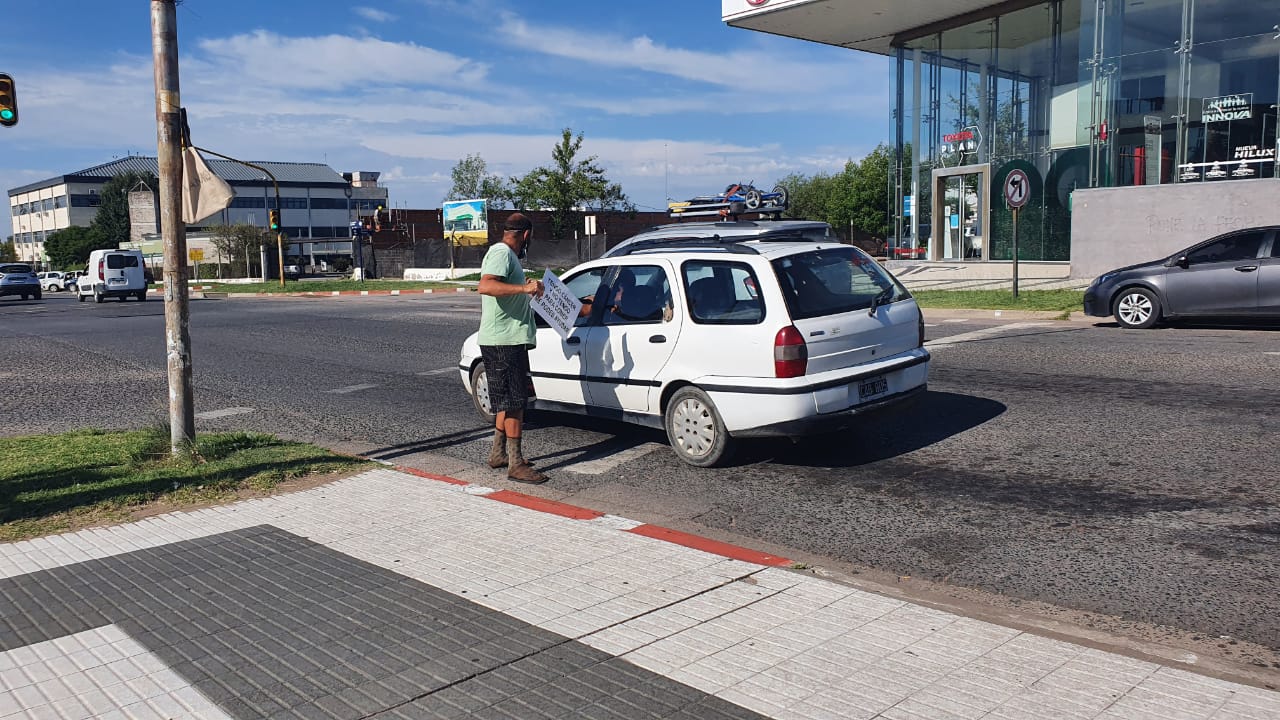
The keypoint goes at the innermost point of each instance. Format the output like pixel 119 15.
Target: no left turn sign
pixel 1017 188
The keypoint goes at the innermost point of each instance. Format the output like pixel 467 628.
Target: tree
pixel 567 187
pixel 69 248
pixel 8 251
pixel 238 244
pixel 471 179
pixel 112 221
pixel 858 198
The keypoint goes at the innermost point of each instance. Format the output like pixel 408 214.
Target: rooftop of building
pixel 286 173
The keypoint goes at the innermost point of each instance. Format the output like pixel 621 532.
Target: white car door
pixel 556 364
pixel 632 339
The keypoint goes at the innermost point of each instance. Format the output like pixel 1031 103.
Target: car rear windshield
pixel 834 280
pixel 14 269
pixel 117 262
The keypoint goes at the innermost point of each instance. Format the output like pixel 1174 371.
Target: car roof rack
pixel 730 244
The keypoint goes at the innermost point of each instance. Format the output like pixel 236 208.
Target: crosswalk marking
pixel 981 334
pixel 350 389
pixel 596 466
pixel 224 412
pixel 441 371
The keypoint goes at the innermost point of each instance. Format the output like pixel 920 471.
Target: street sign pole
pixel 1015 253
pixel 1017 190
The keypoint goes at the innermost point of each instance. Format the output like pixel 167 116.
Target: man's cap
pixel 517 222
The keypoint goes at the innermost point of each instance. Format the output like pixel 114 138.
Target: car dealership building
pixel 1143 125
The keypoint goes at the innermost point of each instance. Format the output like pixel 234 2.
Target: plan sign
pixel 1017 188
pixel 557 305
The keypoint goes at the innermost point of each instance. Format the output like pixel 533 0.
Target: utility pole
pixel 177 315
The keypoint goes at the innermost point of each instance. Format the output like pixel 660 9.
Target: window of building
pixel 60 202
pixel 294 203
pixel 247 201
pixel 321 203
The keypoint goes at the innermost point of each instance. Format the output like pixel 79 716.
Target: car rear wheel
pixel 480 393
pixel 781 192
pixel 142 296
pixel 79 297
pixel 695 430
pixel 99 297
pixel 1137 309
pixel 37 295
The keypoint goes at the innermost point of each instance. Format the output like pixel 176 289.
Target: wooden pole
pixel 164 49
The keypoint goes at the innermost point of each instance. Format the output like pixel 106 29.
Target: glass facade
pixel 1077 93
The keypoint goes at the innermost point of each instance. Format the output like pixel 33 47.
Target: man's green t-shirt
pixel 505 320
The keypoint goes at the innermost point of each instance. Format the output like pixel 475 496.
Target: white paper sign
pixel 557 305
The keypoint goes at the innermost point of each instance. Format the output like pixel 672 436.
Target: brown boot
pixel 498 454
pixel 519 469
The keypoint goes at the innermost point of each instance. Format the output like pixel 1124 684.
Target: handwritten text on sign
pixel 557 305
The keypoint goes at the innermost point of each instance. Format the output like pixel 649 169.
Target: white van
pixel 114 273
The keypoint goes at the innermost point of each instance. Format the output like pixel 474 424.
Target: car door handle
pixel 657 338
pixel 575 340
pixel 1246 268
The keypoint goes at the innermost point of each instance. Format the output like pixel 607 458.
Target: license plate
pixel 872 387
pixel 115 281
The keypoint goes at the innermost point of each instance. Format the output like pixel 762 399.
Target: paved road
pixel 1127 477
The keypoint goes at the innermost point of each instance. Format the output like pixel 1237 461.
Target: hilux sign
pixel 1228 107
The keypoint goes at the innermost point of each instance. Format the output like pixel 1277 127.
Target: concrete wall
pixel 1114 227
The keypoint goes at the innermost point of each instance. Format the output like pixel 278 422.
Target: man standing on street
pixel 506 334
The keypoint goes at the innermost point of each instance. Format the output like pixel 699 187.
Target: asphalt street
pixel 1124 481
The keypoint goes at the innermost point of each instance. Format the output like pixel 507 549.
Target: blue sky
pixel 671 100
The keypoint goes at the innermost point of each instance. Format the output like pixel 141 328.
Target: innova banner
pixel 466 222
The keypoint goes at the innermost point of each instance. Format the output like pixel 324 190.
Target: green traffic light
pixel 6 114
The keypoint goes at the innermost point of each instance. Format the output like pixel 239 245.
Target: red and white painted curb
pixel 573 512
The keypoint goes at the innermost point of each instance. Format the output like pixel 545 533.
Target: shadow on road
pixel 462 437
pixel 936 416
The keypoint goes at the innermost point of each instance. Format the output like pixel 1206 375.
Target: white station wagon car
pixel 718 339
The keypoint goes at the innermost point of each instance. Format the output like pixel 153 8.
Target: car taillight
pixel 790 354
pixel 101 262
pixel 921 342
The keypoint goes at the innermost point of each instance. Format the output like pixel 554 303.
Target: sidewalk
pixel 398 595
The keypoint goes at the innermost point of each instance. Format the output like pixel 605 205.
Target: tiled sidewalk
pixel 390 595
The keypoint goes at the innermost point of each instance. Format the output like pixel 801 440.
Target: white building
pixel 316 203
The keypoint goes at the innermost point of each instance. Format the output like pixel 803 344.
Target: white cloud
pixel 373 14
pixel 736 69
pixel 334 62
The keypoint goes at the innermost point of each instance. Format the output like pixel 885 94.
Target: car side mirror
pixel 1182 262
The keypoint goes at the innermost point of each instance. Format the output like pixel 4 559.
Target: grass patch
pixel 1064 301
pixel 55 483
pixel 291 286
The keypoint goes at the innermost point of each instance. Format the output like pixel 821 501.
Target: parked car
pixel 292 272
pixel 113 273
pixel 19 279
pixel 716 339
pixel 71 280
pixel 1232 275
pixel 53 281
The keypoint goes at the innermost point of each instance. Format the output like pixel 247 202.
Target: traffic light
pixel 8 101
pixel 273 217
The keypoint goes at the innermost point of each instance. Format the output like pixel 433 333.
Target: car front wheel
pixel 480 393
pixel 695 430
pixel 1137 309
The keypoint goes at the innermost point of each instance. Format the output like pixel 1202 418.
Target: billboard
pixel 466 222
